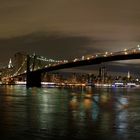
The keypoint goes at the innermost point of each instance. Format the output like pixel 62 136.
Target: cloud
pixel 58 45
pixel 50 45
pixel 104 20
pixel 68 28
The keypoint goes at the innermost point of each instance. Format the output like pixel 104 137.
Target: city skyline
pixel 70 69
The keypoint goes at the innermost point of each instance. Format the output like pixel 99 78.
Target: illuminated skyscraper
pixel 128 75
pixel 10 64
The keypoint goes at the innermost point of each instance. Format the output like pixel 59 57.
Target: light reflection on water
pixel 54 113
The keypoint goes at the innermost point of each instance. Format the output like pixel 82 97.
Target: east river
pixel 69 113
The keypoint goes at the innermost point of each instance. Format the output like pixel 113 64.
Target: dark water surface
pixel 59 113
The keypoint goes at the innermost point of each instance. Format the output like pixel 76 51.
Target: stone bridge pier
pixel 33 78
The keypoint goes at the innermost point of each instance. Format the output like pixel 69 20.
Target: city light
pixel 44 63
pixel 125 53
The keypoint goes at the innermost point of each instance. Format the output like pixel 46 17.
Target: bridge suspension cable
pixel 24 62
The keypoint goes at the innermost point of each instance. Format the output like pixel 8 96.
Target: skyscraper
pixel 128 75
pixel 102 73
pixel 10 64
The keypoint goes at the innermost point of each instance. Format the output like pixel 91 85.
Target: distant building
pixel 10 64
pixel 102 73
pixel 128 75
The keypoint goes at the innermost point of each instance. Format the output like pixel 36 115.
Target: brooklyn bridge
pixel 31 68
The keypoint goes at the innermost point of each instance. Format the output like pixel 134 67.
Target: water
pixel 59 113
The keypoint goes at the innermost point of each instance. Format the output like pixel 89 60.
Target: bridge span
pixel 33 70
pixel 91 61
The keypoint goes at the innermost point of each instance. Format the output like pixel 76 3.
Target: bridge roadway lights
pixel 33 79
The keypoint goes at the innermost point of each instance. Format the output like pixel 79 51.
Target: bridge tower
pixel 33 78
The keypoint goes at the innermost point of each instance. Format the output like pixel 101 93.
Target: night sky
pixel 63 29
